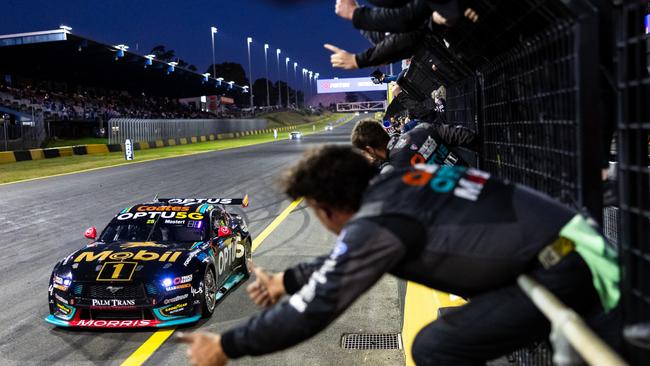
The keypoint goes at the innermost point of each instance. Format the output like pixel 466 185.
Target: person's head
pixel 369 136
pixel 332 179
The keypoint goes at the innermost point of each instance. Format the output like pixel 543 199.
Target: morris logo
pixel 114 289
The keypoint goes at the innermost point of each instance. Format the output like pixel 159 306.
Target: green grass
pixel 13 172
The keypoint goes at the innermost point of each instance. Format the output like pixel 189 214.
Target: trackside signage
pixel 128 150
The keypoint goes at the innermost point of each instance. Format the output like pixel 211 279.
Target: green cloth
pixel 600 257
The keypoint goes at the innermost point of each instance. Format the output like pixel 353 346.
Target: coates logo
pixel 114 323
pixel 113 302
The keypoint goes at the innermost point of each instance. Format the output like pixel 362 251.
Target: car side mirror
pixel 91 233
pixel 224 231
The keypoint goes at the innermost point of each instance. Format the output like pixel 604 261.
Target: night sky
pixel 298 28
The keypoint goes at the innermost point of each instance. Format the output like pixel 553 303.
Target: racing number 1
pixel 116 271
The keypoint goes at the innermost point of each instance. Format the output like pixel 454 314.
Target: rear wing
pixel 221 201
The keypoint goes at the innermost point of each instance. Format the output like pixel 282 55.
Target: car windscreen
pixel 158 230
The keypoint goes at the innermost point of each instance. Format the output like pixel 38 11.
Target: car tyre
pixel 210 289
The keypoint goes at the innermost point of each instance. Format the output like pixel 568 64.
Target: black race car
pixel 156 264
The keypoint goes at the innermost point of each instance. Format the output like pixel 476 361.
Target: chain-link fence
pixel 120 129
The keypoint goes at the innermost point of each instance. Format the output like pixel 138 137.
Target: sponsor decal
pixel 113 302
pixel 142 245
pixel 414 147
pixel 162 208
pixel 64 309
pixel 463 182
pixel 114 323
pixel 174 309
pixel 183 279
pixel 191 255
pixel 117 271
pixel 198 290
pixel 226 258
pixel 175 299
pixel 428 147
pixel 141 255
pixel 403 140
pixel 178 287
pixel 307 293
pixel 164 215
pixel 240 250
pixel 61 299
pixel 60 287
pixel 191 201
pixel 175 222
pixel 340 248
pixel 58 279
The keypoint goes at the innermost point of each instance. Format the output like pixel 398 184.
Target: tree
pixel 163 54
pixel 230 71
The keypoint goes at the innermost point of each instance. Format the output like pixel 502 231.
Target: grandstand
pixel 56 83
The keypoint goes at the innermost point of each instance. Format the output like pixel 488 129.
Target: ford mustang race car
pixel 156 264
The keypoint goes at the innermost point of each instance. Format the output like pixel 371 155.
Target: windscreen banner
pixel 348 85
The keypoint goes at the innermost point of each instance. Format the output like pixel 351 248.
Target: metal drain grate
pixel 371 341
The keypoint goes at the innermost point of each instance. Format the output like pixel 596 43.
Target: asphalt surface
pixel 43 220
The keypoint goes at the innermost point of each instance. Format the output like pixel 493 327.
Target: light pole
pixel 213 31
pixel 249 40
pixel 266 65
pixel 295 79
pixel 286 65
pixel 310 87
pixel 277 58
pixel 304 89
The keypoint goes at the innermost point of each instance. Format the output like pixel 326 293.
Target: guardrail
pixel 567 324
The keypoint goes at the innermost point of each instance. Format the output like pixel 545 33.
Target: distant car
pixel 156 264
pixel 329 128
pixel 295 135
pixel 366 112
pixel 356 114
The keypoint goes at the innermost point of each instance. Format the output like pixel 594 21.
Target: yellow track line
pixel 421 306
pixel 260 238
pixel 142 354
pixel 148 347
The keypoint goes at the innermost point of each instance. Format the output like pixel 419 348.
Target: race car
pixel 295 135
pixel 156 264
pixel 329 128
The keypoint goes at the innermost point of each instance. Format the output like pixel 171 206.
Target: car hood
pixel 145 260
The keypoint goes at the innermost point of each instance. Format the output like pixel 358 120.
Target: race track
pixel 44 220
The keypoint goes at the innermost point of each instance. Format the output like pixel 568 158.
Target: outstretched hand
pixel 268 288
pixel 204 348
pixel 341 58
pixel 345 8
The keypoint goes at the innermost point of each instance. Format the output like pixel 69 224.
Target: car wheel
pixel 248 256
pixel 209 292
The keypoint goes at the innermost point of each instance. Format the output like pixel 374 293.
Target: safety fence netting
pixel 541 91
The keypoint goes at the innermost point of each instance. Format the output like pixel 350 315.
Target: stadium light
pixel 295 80
pixel 230 84
pixel 266 67
pixel 206 76
pixel 213 31
pixel 249 40
pixel 149 60
pixel 277 58
pixel 171 67
pixel 65 28
pixel 286 66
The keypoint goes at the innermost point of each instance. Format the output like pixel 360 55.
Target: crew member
pixel 450 228
pixel 426 143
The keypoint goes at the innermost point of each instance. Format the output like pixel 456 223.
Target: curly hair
pixel 335 175
pixel 369 132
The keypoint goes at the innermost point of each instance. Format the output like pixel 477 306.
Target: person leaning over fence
pixel 450 228
pixel 426 143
